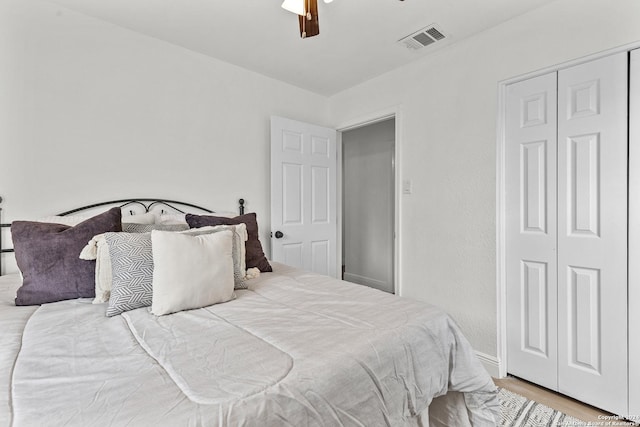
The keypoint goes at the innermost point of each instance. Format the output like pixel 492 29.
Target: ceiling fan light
pixel 295 6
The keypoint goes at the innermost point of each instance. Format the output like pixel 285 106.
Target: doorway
pixel 368 204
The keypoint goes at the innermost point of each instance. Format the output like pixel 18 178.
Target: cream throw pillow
pixel 191 271
pixel 103 271
pixel 97 249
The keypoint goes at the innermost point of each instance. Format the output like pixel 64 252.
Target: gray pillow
pixel 132 271
pixel 147 228
pixel 47 255
pixel 132 268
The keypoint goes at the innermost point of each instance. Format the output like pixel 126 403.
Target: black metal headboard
pixel 1 227
pixel 146 204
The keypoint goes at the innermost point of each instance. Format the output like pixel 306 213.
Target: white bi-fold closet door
pixel 566 231
pixel 634 235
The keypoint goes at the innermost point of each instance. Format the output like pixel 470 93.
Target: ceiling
pixel 357 41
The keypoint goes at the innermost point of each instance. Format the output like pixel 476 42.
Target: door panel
pixel 592 232
pixel 531 230
pixel 303 195
pixel 534 316
pixel 583 178
pixel 583 290
pixel 291 194
pixel 320 195
pixel 534 178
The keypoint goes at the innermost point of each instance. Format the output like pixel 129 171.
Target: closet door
pixel 530 150
pixel 592 232
pixel 634 235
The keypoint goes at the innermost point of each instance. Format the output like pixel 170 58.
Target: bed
pixel 289 348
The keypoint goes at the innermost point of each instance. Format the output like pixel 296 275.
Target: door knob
pixel 279 235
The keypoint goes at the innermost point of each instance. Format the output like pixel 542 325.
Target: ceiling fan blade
pixel 309 26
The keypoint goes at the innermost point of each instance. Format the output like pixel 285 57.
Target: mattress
pixel 295 349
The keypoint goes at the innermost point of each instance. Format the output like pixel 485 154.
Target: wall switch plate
pixel 407 186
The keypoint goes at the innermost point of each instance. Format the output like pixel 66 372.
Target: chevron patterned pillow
pixel 132 271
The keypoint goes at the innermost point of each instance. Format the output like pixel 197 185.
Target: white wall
pixel 448 148
pixel 90 111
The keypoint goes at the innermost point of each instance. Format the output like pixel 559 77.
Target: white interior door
pixel 592 232
pixel 634 234
pixel 303 195
pixel 530 150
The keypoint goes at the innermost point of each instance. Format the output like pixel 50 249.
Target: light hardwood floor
pixel 557 401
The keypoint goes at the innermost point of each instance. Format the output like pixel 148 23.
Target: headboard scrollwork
pixel 146 204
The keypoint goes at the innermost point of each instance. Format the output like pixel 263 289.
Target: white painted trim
pixel 369 281
pixel 397 272
pixel 634 236
pixel 501 290
pixel 339 204
pixel 490 363
pixel 557 67
pixel 368 119
pixel 500 189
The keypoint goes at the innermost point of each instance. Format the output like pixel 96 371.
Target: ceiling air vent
pixel 422 38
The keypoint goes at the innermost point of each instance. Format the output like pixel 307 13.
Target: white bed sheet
pixel 296 349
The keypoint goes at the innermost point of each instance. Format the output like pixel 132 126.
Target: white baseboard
pixel 490 363
pixel 367 281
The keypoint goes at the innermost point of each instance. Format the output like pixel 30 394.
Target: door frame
pixel 501 289
pixel 394 112
pixel 633 242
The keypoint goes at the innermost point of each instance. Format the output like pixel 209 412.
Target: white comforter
pixel 297 349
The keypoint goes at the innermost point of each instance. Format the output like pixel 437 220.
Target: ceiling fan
pixel 307 11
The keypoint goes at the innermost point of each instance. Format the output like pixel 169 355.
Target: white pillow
pixel 239 250
pixel 168 218
pixel 145 218
pixel 191 271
